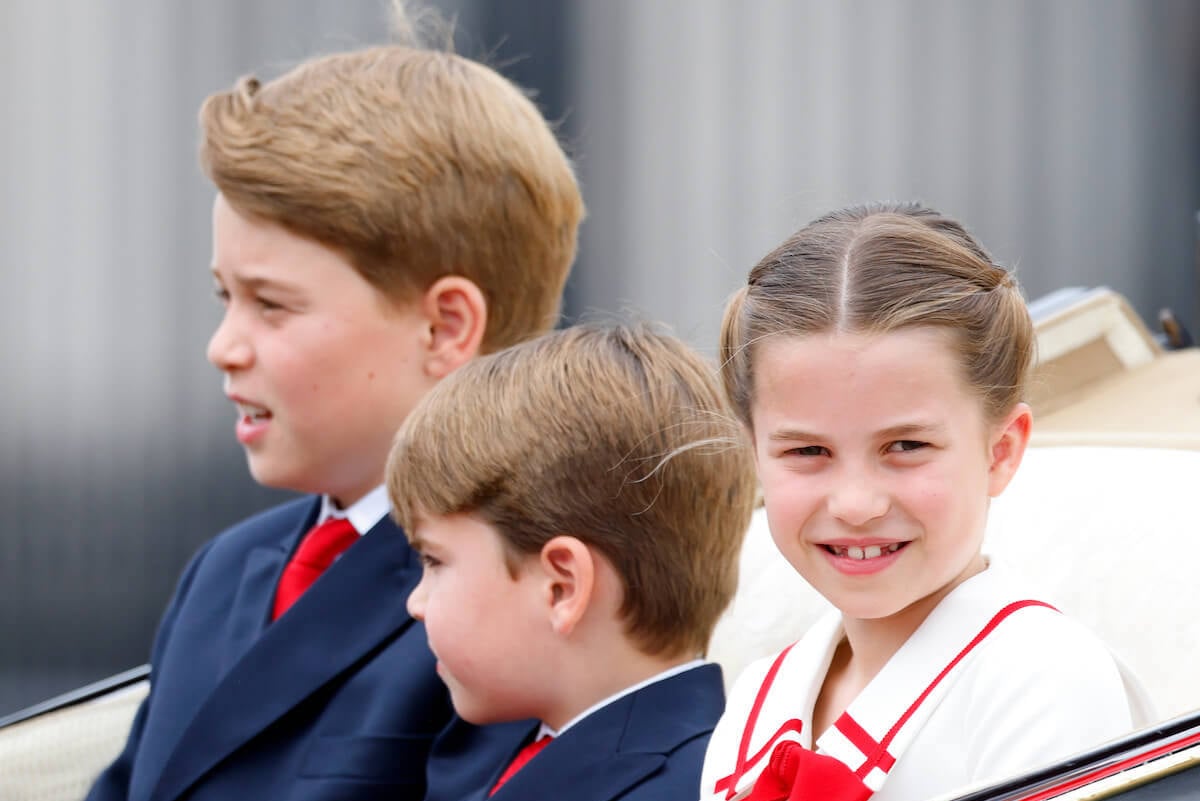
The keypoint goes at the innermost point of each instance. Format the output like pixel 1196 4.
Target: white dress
pixel 991 684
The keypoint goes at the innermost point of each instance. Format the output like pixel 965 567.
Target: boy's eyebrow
pixel 249 281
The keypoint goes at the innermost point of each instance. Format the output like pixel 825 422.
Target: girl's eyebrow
pixel 791 435
pixel 896 432
pixel 909 429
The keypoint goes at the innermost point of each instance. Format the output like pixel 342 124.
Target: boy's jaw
pixel 595 680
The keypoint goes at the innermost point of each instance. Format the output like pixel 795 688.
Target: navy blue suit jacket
pixel 646 746
pixel 338 699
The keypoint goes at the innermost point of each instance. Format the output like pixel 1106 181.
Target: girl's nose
pixel 857 500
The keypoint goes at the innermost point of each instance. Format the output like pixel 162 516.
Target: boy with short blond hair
pixel 382 217
pixel 579 502
pixel 414 164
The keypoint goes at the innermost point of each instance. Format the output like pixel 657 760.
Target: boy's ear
pixel 570 573
pixel 456 312
pixel 1007 447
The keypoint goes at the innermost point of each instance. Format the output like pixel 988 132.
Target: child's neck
pixel 591 680
pixel 857 660
pixel 869 645
pixel 873 642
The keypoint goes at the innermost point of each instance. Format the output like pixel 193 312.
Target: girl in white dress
pixel 879 359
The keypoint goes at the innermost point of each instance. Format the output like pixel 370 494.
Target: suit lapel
pixel 505 739
pixel 256 592
pixel 353 608
pixel 622 743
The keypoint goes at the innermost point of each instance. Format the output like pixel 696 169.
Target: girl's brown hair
pixel 875 269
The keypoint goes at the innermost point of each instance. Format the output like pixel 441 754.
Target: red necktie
pixel 528 752
pixel 320 546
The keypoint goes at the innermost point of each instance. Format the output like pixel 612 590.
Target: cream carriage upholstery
pixel 57 755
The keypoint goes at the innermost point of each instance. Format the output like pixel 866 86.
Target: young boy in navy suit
pixel 382 217
pixel 578 503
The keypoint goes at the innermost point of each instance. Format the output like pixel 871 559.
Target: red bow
pixel 798 774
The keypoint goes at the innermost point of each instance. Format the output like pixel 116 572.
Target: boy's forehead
pixel 436 529
pixel 418 536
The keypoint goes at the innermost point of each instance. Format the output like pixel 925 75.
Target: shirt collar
pixel 363 514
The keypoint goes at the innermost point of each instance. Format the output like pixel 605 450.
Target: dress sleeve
pixel 1039 692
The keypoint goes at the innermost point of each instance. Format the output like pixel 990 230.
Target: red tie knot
pixel 325 543
pixel 318 550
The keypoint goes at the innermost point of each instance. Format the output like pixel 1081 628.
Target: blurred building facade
pixel 1066 135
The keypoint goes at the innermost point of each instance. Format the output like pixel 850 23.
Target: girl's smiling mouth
pixel 863 560
pixel 861 553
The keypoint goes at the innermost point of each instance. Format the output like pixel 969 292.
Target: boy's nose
pixel 416 601
pixel 857 501
pixel 227 348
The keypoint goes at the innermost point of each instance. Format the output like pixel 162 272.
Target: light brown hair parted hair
pixel 614 434
pixel 875 269
pixel 415 164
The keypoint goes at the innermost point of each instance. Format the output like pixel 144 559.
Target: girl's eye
pixel 428 561
pixel 268 305
pixel 906 445
pixel 809 450
pixel 221 294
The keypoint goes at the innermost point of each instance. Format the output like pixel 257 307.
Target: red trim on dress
pixel 876 753
pixel 729 783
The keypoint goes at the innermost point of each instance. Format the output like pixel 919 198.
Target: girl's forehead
pixel 840 378
pixel 857 350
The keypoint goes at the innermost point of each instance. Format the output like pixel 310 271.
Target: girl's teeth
pixel 869 552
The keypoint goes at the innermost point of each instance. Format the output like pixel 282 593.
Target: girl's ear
pixel 456 312
pixel 1006 447
pixel 570 579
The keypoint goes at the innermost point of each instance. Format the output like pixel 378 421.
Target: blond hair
pixel 879 268
pixel 617 435
pixel 415 164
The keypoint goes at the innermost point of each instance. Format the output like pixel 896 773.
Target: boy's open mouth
pixel 868 552
pixel 251 413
